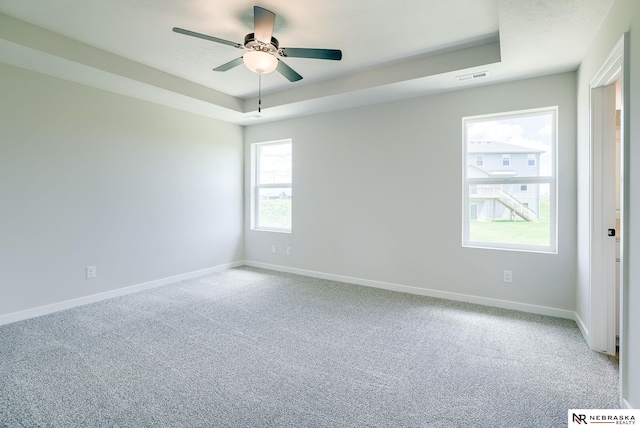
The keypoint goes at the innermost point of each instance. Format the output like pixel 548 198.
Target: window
pixel 512 208
pixel 473 212
pixel 272 185
pixel 479 160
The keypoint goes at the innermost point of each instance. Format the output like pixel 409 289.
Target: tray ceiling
pixel 391 50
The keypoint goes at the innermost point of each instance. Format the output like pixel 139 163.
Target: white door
pixel 603 216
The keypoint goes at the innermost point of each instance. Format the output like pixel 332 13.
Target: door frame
pixel 601 247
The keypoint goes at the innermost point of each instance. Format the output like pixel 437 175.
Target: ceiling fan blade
pixel 229 65
pixel 288 72
pixel 333 54
pixel 263 21
pixel 204 36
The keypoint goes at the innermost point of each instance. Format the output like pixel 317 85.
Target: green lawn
pixel 514 232
pixel 275 213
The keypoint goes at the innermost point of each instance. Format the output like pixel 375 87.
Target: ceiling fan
pixel 262 50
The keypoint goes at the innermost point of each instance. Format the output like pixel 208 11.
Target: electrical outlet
pixel 273 248
pixel 508 276
pixel 288 251
pixel 91 271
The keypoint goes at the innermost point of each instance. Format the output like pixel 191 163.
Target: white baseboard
pixel 583 329
pixel 504 304
pixel 625 404
pixel 60 306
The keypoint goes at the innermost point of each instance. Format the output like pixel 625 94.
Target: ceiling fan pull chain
pixel 259 93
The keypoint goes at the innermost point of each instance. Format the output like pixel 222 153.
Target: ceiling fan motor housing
pixel 251 43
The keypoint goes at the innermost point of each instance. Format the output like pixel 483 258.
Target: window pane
pixel 516 146
pixel 274 208
pixel 507 214
pixel 274 163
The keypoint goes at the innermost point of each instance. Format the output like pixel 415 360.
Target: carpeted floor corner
pixel 256 348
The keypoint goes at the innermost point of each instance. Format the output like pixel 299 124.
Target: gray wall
pixel 88 177
pixel 377 196
pixel 624 16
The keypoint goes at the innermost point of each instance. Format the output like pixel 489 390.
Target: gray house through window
pixel 510 200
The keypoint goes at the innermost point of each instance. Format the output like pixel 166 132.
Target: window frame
pixel 256 186
pixel 551 180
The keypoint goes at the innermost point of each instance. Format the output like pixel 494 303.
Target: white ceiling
pixel 391 49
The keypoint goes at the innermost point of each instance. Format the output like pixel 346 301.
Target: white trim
pixel 497 303
pixel 624 404
pixel 458 297
pixel 93 298
pixel 607 73
pixel 601 249
pixel 625 217
pixel 583 329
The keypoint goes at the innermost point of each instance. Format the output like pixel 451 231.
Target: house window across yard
pixel 510 203
pixel 272 185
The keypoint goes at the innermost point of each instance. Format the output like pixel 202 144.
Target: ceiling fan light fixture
pixel 260 62
pixel 262 50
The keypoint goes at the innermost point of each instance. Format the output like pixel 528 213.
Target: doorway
pixel 607 200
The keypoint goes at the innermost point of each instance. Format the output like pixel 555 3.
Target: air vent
pixel 472 76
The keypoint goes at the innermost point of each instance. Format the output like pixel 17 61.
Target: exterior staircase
pixel 496 194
